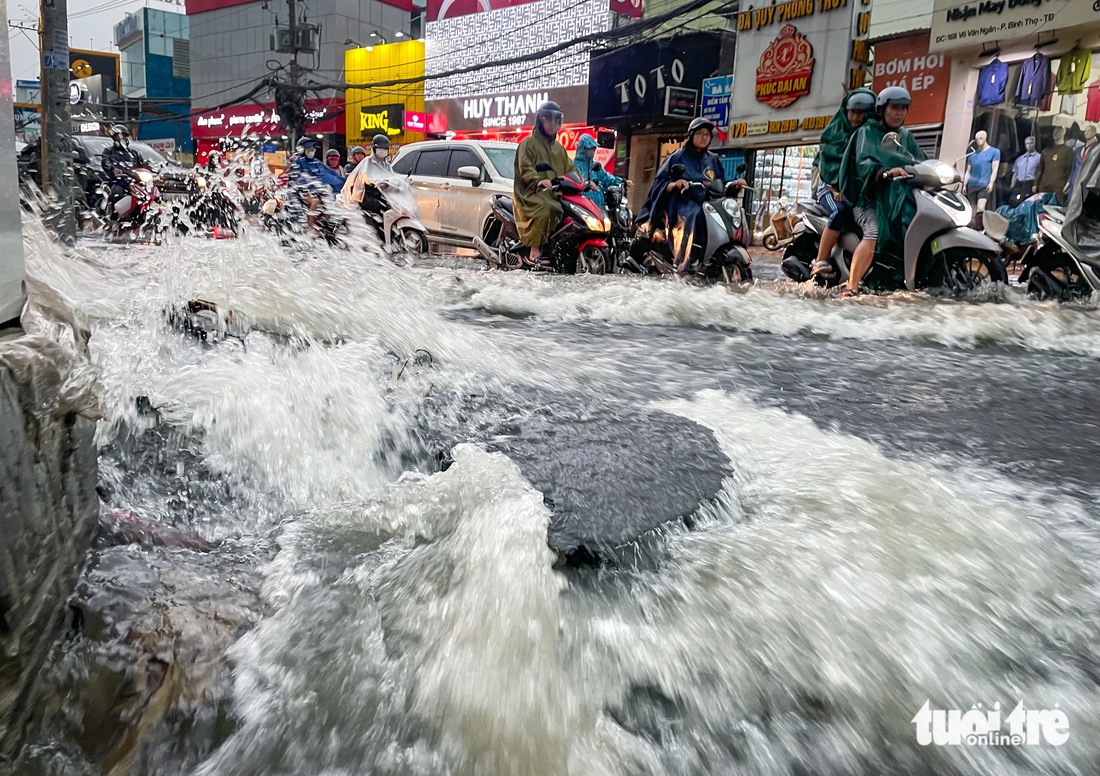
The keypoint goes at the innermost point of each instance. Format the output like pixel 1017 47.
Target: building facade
pixel 155 51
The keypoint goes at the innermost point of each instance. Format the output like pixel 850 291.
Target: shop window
pixel 433 163
pixel 463 157
pixel 1052 113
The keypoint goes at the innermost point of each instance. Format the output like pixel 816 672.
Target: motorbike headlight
pixel 946 173
pixel 200 181
pixel 595 224
pixel 145 177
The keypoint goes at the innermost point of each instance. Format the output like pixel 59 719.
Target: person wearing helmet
pixel 356 154
pixel 312 178
pixel 857 104
pixel 597 178
pixel 536 208
pixel 332 161
pixel 119 162
pixel 372 180
pixel 882 208
pixel 674 203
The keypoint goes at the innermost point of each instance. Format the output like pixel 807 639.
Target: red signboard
pixel 785 69
pixel 906 62
pixel 200 6
pixel 449 9
pixel 632 8
pixel 415 122
pixel 322 117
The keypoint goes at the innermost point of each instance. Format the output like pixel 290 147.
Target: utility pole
pixel 293 64
pixel 56 144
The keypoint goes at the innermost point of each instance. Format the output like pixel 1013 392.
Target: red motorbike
pixel 578 244
pixel 138 214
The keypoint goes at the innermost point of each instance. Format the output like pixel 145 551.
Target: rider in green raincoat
pixel 867 180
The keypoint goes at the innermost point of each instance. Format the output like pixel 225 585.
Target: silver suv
pixel 453 182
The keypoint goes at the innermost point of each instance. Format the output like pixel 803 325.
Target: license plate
pixel 936 247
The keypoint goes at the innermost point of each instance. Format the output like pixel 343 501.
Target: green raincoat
pixel 864 161
pixel 538 212
pixel 834 140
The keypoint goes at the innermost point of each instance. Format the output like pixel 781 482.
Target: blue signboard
pixel 716 99
pixel 270 148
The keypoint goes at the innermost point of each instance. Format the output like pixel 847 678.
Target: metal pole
pixel 293 63
pixel 56 159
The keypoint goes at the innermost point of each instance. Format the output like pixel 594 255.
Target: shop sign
pixel 503 111
pixel 906 62
pixel 804 55
pixel 681 103
pixel 322 116
pixel 165 146
pixel 85 64
pixel 636 82
pixel 786 67
pixel 449 9
pixel 978 21
pixel 631 8
pixel 127 29
pixel 716 100
pixel 416 122
pixel 387 120
pixel 78 93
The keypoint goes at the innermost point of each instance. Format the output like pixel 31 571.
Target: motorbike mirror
pixel 677 171
pixel 732 188
pixel 543 167
pixel 891 141
pixel 470 173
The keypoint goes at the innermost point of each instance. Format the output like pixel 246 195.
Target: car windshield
pixel 96 145
pixel 503 160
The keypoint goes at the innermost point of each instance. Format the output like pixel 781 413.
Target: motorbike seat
pixel 813 209
pixel 1055 212
pixel 504 202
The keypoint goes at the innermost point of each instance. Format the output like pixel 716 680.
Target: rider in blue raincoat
pixel 674 204
pixel 597 180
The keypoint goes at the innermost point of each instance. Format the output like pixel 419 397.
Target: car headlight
pixel 946 173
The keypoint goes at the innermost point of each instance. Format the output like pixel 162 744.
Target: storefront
pixel 648 93
pixel 394 110
pixel 794 63
pixel 1018 74
pixel 257 128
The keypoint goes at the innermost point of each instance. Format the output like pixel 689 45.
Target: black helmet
pixel 862 101
pixel 356 150
pixel 893 95
pixel 550 110
pixel 380 141
pixel 700 123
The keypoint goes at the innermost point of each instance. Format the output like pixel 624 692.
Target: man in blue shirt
pixel 1024 170
pixel 981 171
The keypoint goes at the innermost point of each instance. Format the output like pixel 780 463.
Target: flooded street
pixel 901 507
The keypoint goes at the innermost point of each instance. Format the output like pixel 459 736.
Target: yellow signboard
pixel 382 109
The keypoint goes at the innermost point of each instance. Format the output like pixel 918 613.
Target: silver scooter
pixel 940 248
pixel 1060 269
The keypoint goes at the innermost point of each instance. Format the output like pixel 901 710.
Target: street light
pixel 377 34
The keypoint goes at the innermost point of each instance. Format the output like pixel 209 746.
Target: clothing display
pixel 1026 165
pixel 1069 104
pixel 991 83
pixel 1092 107
pixel 1035 81
pixel 1055 165
pixel 981 166
pixel 1073 71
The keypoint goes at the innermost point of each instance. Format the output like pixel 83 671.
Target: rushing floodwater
pixel 912 515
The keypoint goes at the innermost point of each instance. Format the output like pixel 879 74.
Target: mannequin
pixel 1023 171
pixel 1089 142
pixel 981 171
pixel 1055 165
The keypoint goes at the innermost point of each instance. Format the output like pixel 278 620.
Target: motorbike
pixel 781 232
pixel 396 217
pixel 578 245
pixel 1059 269
pixel 622 225
pixel 940 248
pixel 138 214
pixel 724 258
pixel 208 210
pixel 288 217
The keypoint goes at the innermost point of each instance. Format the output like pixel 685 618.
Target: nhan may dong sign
pixel 382 120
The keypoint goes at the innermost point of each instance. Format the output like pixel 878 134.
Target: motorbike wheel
pixel 592 261
pixel 727 268
pixel 968 269
pixel 409 241
pixel 771 242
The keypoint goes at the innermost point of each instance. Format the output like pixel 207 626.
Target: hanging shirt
pixel 1073 71
pixel 991 83
pixel 1035 80
pixel 1025 166
pixel 1092 108
pixel 981 167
